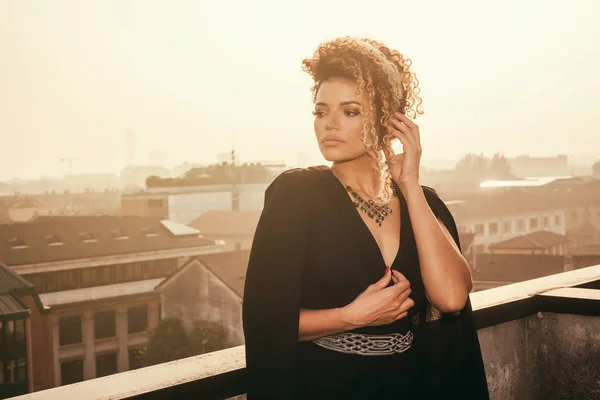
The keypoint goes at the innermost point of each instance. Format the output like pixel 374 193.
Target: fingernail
pixel 386 270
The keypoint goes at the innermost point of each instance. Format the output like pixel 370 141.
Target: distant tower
pixel 129 147
pixel 235 190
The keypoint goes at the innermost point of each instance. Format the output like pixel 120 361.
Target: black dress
pixel 312 250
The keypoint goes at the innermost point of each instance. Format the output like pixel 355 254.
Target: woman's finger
pixel 400 316
pixel 406 305
pixel 402 131
pixel 399 275
pixel 413 129
pixel 406 120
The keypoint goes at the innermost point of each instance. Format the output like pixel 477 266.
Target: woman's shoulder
pixel 300 179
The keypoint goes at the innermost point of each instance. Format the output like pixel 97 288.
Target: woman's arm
pixel 318 323
pixel 377 305
pixel 445 272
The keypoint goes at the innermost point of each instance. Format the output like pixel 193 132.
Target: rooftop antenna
pixel 235 192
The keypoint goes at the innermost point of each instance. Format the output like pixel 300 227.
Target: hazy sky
pixel 518 76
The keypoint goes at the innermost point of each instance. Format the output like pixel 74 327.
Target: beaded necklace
pixel 376 211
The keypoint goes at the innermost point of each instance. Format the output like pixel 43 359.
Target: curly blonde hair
pixel 384 84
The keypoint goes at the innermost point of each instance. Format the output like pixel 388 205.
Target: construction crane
pixel 70 161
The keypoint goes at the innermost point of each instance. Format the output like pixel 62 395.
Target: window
pixel 13 371
pixel 557 220
pixel 21 370
pixel 125 272
pixel 69 330
pixel 87 237
pixel 533 223
pixel 507 227
pixel 521 225
pixel 10 329
pixel 479 229
pixel 156 203
pixel 66 280
pixel 493 228
pixel 546 222
pixel 104 324
pixel 137 272
pixel 87 277
pixel 19 334
pixel 53 240
pixel 71 372
pixel 106 364
pixel 137 319
pixel 118 234
pixel 135 361
pixel 16 243
pixel 147 270
pixel 149 232
pixel 102 276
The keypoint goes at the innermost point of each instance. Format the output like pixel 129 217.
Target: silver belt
pixel 366 345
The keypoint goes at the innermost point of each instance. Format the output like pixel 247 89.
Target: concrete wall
pixel 195 293
pixel 544 356
pixel 42 368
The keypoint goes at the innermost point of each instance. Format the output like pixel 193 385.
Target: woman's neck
pixel 359 174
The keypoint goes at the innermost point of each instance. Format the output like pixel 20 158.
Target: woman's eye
pixel 352 113
pixel 318 114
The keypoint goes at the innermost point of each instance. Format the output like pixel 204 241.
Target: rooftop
pixel 51 239
pixel 533 240
pixel 11 287
pixel 227 222
pixel 100 292
pixel 516 267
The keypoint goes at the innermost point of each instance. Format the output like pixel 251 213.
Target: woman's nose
pixel 332 123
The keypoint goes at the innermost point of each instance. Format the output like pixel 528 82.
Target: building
pixel 23 207
pixel 185 204
pixel 493 270
pixel 209 287
pixel 537 242
pixel 98 275
pixel 523 166
pixel 235 227
pixel 18 300
pixel 501 216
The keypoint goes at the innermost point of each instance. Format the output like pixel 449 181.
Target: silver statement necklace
pixel 375 211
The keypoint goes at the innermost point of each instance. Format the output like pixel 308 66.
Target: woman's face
pixel 338 121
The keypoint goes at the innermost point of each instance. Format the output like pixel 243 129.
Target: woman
pixel 356 286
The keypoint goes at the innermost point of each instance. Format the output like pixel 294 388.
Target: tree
pixel 208 336
pixel 480 168
pixel 169 341
pixel 499 168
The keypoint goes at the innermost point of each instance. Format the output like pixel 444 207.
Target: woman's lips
pixel 332 142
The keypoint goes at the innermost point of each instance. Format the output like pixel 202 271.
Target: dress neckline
pixel 360 224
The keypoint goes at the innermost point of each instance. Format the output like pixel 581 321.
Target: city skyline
pixel 185 77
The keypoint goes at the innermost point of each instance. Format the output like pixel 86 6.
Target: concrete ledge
pixel 221 374
pixel 157 380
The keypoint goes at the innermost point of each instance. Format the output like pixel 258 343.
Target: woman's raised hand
pixel 380 304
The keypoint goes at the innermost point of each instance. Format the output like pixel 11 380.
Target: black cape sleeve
pixel 454 365
pixel 271 304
